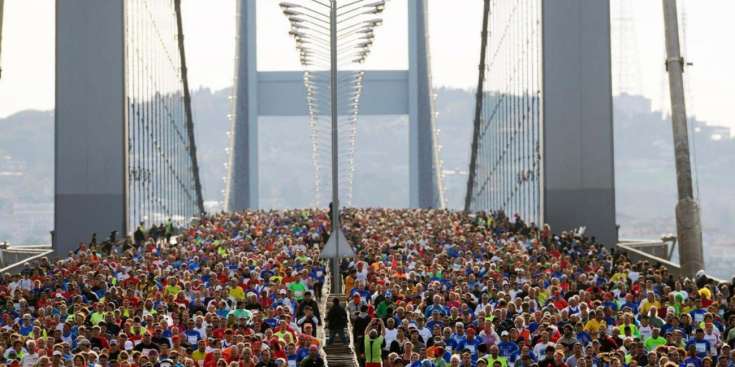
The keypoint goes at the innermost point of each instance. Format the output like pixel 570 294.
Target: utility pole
pixel 688 225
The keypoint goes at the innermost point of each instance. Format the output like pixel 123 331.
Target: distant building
pixel 11 167
pixel 712 132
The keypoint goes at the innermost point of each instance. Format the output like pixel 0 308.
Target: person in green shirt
pixel 654 341
pixel 495 357
pixel 98 314
pixel 298 289
pixel 674 303
pixel 626 325
pixel 240 311
pixel 169 230
pixel 382 309
pixel 373 343
pixel 172 287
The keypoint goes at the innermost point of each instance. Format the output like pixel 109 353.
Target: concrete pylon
pixel 242 181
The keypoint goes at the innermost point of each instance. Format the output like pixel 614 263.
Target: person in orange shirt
pixel 523 332
pixel 350 282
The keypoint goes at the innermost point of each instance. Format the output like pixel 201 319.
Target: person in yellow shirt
pixel 648 303
pixel 593 326
pixel 236 292
pixel 201 352
pixel 620 275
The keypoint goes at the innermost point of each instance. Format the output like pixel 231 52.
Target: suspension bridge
pixel 126 153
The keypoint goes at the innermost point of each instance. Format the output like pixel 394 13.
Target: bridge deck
pixel 338 354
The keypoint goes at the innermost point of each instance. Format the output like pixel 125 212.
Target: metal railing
pixel 14 257
pixel 663 248
pixel 655 251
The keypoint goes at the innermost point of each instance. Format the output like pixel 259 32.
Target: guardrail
pixel 663 248
pixel 12 254
pixel 14 257
pixel 654 252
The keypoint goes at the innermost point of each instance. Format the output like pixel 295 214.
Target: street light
pixel 328 37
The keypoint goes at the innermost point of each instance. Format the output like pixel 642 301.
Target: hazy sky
pixel 28 48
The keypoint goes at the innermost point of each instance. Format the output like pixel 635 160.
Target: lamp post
pixel 329 39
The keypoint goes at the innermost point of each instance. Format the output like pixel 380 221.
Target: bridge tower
pixel 125 151
pixel 397 92
pixel 543 138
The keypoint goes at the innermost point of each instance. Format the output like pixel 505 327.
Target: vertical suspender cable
pixel 479 99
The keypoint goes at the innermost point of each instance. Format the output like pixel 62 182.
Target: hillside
pixel 644 166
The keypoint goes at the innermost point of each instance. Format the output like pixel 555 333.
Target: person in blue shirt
pixel 192 336
pixel 434 322
pixel 449 342
pixel 630 302
pixel 436 306
pixel 699 343
pixel 26 327
pixel 270 319
pixel 609 319
pixel 317 274
pixel 723 361
pixel 459 334
pixel 467 360
pixel 291 355
pixel 470 342
pixel 303 352
pixel 693 359
pixel 671 326
pixel 698 312
pixel 610 302
pixel 506 347
pixel 583 337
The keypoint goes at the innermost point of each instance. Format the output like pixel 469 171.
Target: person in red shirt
pixel 559 302
pixel 264 300
pixel 252 281
pixel 558 360
pixel 276 349
pixel 289 277
pixel 224 276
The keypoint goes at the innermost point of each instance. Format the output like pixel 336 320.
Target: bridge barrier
pixel 14 257
pixel 654 252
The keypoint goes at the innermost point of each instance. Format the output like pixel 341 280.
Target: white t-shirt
pixel 633 276
pixel 29 360
pixel 202 331
pixel 425 334
pixel 540 348
pixel 390 336
pixel 646 332
pixel 26 284
pixel 713 339
pixel 362 275
pixel 422 243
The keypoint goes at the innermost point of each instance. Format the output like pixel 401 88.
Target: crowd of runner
pixel 427 288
